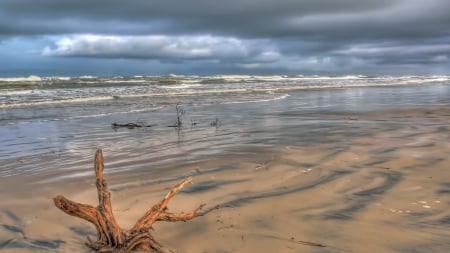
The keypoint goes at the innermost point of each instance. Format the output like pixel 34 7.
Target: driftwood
pixel 113 238
pixel 129 125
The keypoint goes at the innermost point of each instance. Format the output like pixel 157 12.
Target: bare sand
pixel 381 187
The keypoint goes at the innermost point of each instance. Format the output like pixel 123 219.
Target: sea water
pixel 52 123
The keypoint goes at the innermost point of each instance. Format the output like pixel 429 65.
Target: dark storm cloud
pixel 143 16
pixel 292 35
pixel 235 18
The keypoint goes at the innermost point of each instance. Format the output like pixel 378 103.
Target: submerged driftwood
pixel 113 238
pixel 129 125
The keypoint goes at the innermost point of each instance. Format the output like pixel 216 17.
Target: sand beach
pixel 380 190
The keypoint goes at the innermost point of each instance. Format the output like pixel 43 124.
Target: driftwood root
pixel 111 237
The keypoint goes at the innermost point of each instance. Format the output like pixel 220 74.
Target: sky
pixel 207 37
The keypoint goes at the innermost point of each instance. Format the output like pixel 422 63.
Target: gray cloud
pixel 228 18
pixel 290 35
pixel 162 47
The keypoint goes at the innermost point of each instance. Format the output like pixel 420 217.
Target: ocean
pixel 47 119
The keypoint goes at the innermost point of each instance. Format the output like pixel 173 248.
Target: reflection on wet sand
pixel 375 183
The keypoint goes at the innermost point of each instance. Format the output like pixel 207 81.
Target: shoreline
pixel 374 182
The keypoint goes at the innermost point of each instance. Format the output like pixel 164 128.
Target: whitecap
pixel 32 78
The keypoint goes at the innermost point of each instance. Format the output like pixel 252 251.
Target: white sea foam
pixel 15 92
pixel 184 85
pixel 31 78
pixel 52 102
pixel 284 96
pixel 182 93
pixel 127 81
pixel 60 78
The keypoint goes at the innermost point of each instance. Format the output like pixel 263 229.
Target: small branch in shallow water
pixel 113 238
pixel 180 114
pixel 129 125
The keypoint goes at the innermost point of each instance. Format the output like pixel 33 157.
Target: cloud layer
pixel 322 36
pixel 161 47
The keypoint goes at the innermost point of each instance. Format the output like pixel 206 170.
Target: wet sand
pixel 375 182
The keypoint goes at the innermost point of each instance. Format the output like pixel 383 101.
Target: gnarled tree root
pixel 113 238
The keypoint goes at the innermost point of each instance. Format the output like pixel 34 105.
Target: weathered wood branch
pixel 129 125
pixel 113 238
pixel 152 215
